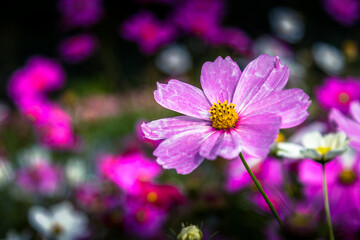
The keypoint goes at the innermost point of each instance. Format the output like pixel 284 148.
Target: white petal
pixel 312 140
pixel 311 153
pixel 289 150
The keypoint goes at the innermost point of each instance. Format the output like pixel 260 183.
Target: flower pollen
pixel 152 197
pixel 57 229
pixel 347 176
pixel 344 97
pixel 223 115
pixel 323 150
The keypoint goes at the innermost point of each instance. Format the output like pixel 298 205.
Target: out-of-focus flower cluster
pixel 86 146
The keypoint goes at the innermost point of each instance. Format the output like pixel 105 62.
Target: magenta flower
pixel 148 32
pixel 129 170
pixel 39 75
pixel 345 12
pixel 145 221
pixel 78 48
pixel 268 173
pixel 40 177
pixel 338 93
pixel 199 17
pixel 236 112
pixel 80 13
pixel 351 127
pixel 231 37
pixel 344 188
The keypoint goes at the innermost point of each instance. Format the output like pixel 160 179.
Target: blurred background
pixel 77 80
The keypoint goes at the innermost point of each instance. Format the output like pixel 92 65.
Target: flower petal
pixel 355 111
pixel 348 126
pixel 219 79
pixel 289 150
pixel 167 127
pixel 291 105
pixel 312 140
pixel 258 132
pixel 260 78
pixel 183 98
pixel 226 144
pixel 181 151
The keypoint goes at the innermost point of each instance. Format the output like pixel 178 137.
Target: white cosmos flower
pixel 315 146
pixel 61 222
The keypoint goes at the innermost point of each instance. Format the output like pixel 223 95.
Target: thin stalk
pixel 260 189
pixel 326 204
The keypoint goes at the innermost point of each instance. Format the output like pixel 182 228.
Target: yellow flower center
pixel 223 115
pixel 344 97
pixel 323 150
pixel 280 138
pixel 57 229
pixel 347 176
pixel 152 197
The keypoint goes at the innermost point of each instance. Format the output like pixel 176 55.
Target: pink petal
pixel 291 105
pixel 355 111
pixel 348 126
pixel 183 98
pixel 219 79
pixel 258 132
pixel 181 151
pixel 167 127
pixel 226 144
pixel 260 78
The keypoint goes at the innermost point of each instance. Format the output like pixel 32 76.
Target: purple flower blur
pixel 80 13
pixel 350 127
pixel 129 170
pixel 345 12
pixel 40 177
pixel 148 32
pixel 236 112
pixel 338 93
pixel 344 188
pixel 78 48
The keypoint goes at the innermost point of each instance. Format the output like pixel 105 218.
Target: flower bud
pixel 191 232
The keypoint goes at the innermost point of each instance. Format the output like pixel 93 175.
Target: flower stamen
pixel 323 150
pixel 223 115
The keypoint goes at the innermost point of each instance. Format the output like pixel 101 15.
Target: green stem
pixel 326 203
pixel 260 189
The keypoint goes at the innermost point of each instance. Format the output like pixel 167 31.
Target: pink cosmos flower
pixel 40 177
pixel 231 37
pixel 345 12
pixel 145 221
pixel 159 195
pixel 80 13
pixel 236 112
pixel 39 75
pixel 338 93
pixel 351 127
pixel 78 48
pixel 147 31
pixel 344 188
pixel 128 170
pixel 199 17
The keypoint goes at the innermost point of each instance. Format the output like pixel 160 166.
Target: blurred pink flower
pixel 343 184
pixel 145 221
pixel 78 48
pixel 199 17
pixel 39 75
pixel 231 37
pixel 128 170
pixel 40 177
pixel 236 112
pixel 159 195
pixel 351 127
pixel 147 31
pixel 345 12
pixel 268 172
pixel 338 93
pixel 80 13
